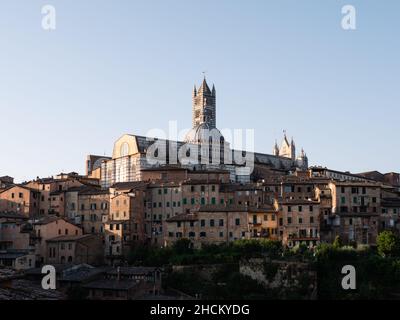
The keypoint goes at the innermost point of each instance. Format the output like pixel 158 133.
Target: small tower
pixel 287 150
pixel 204 105
pixel 302 160
pixel 275 151
pixel 292 150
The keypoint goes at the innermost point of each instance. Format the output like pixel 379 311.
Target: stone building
pixel 126 283
pixel 358 205
pixel 48 228
pixel 93 205
pixel 299 222
pixel 53 191
pixel 20 199
pixel 125 224
pixel 204 148
pixel 209 225
pixel 75 249
pixel 263 222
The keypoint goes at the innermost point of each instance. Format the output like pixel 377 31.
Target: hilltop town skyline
pixel 298 71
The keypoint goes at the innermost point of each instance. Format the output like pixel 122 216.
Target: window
pixel 203 201
pixel 265 217
pixel 192 201
pixel 273 217
pixel 289 220
pixel 212 222
pixel 178 224
pixel 289 209
pixel 300 220
pixel 300 208
pixel 202 223
pixel 311 219
pixel 213 200
pixel 343 189
pixel 184 201
pixel 221 234
pixel 165 190
pixel 192 234
pixel 192 188
pixel 237 221
pixel 159 191
pixel 202 234
pixel 213 188
pixel 203 188
pixel 311 208
pixel 66 231
pixel 221 222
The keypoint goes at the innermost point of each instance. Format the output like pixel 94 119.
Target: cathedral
pixel 204 141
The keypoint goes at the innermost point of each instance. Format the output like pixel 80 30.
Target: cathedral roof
pixel 202 133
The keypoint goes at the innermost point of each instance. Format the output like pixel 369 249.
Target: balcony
pixel 255 222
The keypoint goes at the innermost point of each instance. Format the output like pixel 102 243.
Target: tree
pixel 183 246
pixel 388 244
pixel 337 243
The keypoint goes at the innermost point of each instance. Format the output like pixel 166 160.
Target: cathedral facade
pixel 204 148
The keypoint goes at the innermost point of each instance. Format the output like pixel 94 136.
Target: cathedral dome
pixel 202 133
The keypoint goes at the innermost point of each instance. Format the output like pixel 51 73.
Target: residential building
pixel 75 249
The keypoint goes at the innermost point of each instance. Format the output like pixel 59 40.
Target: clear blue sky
pixel 115 67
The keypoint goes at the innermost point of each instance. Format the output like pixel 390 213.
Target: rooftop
pixel 108 284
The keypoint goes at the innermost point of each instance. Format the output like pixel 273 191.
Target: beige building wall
pixel 51 228
pixel 21 200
